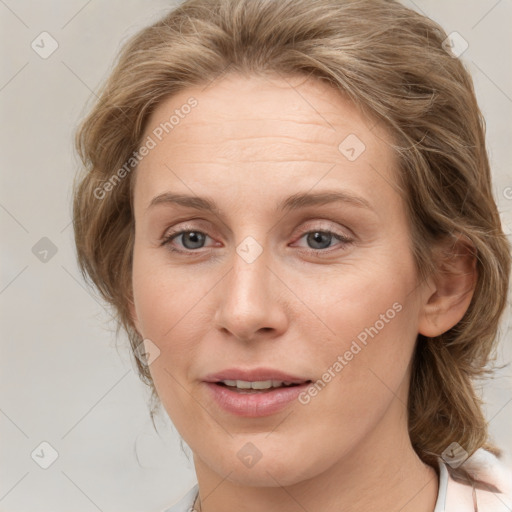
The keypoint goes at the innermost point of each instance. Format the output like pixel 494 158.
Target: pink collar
pixel 492 492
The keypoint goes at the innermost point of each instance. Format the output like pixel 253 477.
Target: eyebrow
pixel 293 202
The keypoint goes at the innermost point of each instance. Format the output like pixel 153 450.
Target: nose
pixel 251 300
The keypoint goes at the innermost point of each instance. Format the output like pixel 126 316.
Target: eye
pixel 318 240
pixel 190 239
pixel 321 239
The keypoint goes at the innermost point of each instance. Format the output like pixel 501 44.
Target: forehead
pixel 252 131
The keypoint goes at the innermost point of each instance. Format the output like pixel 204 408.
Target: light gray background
pixel 62 379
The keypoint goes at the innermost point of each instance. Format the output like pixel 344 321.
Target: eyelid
pixel 326 226
pixel 196 224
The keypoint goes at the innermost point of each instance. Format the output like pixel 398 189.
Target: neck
pixel 382 474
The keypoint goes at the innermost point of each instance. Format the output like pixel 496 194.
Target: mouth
pixel 255 379
pixel 259 386
pixel 254 393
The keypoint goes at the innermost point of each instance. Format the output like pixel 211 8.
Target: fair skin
pixel 248 145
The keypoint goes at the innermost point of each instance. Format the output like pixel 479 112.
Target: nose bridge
pixel 248 283
pixel 247 303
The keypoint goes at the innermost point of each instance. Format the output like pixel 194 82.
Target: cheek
pixel 164 296
pixel 170 311
pixel 368 299
pixel 367 335
pixel 165 311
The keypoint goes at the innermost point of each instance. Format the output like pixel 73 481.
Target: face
pixel 300 270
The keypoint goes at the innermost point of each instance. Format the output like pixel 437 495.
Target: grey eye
pixel 318 239
pixel 192 239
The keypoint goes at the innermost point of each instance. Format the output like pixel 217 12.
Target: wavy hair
pixel 392 64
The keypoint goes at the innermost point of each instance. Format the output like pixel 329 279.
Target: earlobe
pixel 451 288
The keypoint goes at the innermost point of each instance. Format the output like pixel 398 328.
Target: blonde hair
pixel 390 62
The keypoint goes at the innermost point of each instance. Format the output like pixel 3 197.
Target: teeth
pixel 259 384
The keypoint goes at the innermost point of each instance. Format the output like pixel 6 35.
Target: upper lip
pixel 254 374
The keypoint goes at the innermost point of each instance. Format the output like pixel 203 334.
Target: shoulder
pixel 185 503
pixel 491 491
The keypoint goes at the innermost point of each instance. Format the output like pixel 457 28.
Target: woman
pixel 289 205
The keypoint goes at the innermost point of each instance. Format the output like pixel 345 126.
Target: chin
pixel 270 470
pixel 268 475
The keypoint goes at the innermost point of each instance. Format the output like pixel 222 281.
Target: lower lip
pixel 253 405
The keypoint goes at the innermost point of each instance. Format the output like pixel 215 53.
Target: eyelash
pixel 166 241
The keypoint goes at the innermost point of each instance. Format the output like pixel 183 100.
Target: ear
pixel 451 288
